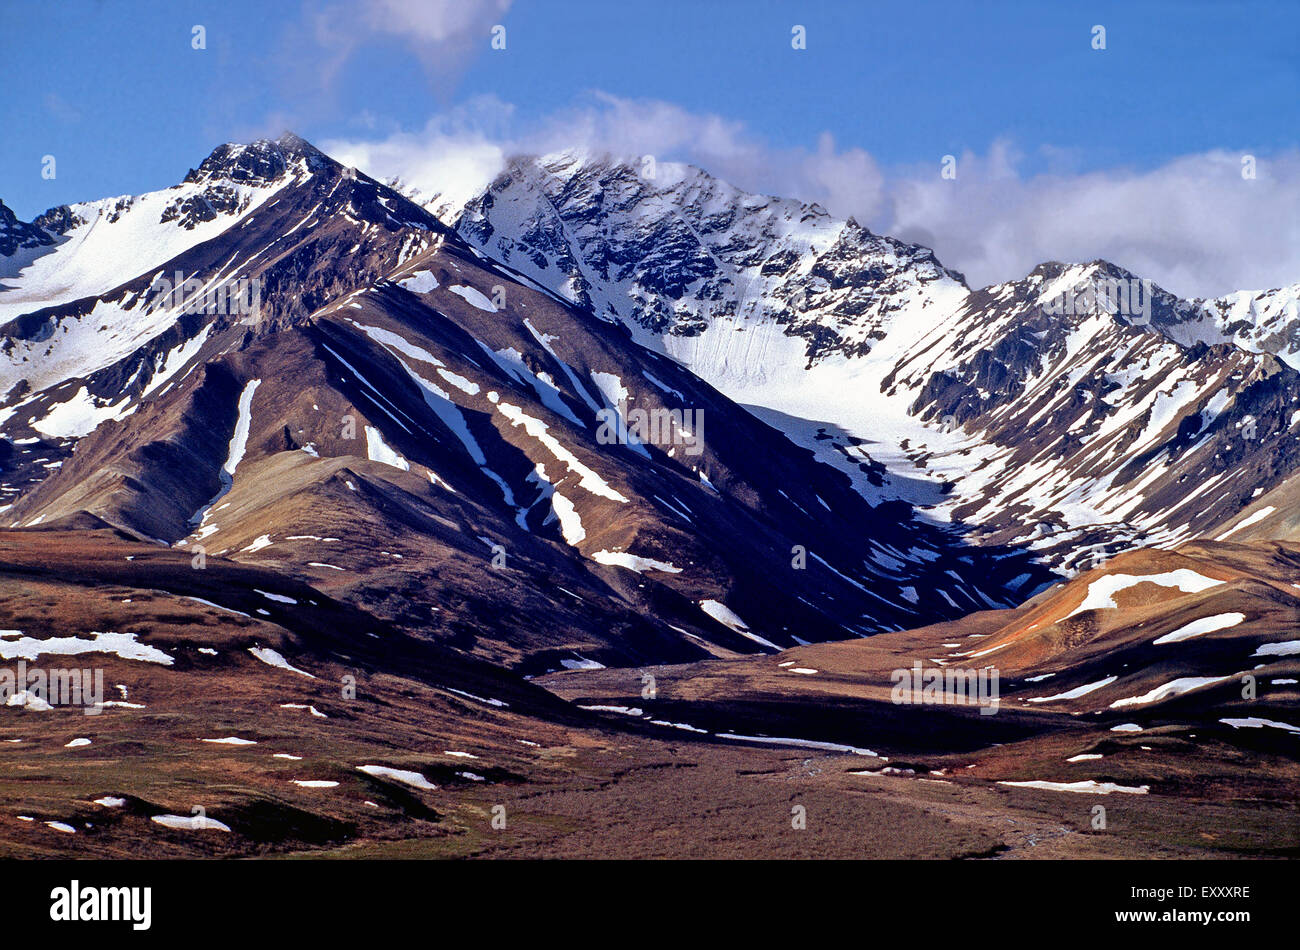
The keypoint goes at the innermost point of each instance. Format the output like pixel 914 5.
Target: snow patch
pixel 1204 625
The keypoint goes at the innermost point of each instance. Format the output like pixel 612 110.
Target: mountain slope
pixel 1097 432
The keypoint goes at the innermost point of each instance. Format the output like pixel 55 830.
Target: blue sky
pixel 115 92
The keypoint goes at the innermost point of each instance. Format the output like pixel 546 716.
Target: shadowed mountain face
pixel 18 235
pixel 376 518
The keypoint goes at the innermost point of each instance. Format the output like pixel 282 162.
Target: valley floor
pixel 249 715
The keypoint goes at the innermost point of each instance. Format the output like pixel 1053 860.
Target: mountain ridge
pixel 377 321
pixel 830 380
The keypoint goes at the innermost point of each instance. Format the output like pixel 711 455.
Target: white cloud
pixel 456 155
pixel 1194 225
pixel 461 150
pixel 317 48
pixel 444 34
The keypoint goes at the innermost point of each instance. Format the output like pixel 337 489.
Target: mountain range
pixel 505 462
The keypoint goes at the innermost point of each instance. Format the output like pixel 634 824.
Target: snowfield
pixel 474 297
pixel 1173 688
pixel 1088 786
pixel 634 563
pixel 273 658
pixel 1198 627
pixel 188 823
pixel 406 777
pixel 730 619
pixel 123 645
pixel 1076 692
pixel 1101 592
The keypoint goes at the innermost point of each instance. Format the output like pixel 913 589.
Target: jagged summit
pixel 262 161
pixel 674 252
pixel 91 247
pixel 15 234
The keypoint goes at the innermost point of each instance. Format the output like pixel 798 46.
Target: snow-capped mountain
pixel 94 246
pixel 687 259
pixel 490 361
pixel 366 402
pixel 1096 431
pixel 1074 430
pixel 772 301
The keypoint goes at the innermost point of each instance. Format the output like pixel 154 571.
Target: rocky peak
pixel 15 234
pixel 262 162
